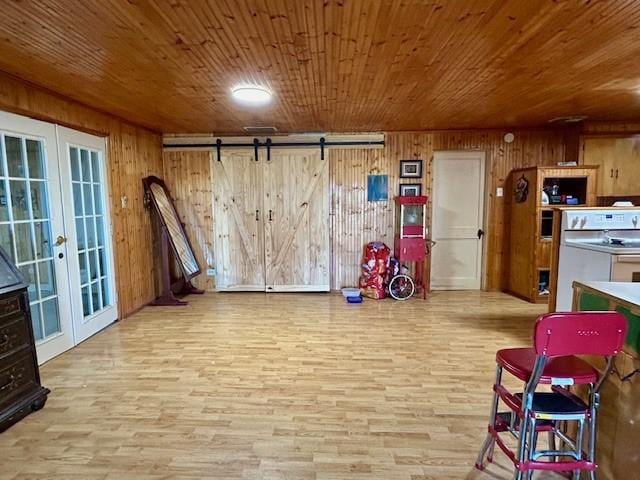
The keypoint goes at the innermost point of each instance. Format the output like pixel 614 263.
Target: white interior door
pixel 31 222
pixel 88 229
pixel 457 219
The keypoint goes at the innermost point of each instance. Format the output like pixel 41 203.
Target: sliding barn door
pixel 296 203
pixel 238 218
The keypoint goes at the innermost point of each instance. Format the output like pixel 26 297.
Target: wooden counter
pixel 619 416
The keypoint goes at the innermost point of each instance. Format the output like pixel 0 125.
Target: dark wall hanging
pixel 522 190
pixel 410 168
pixel 171 233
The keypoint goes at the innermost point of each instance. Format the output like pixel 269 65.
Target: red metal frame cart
pixel 410 245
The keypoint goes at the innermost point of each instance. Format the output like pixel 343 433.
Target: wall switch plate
pixel 211 272
pixel 499 192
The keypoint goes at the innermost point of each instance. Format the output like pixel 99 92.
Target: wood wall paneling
pixel 188 177
pixel 355 222
pixel 132 153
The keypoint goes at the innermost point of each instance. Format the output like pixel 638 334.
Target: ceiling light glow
pixel 251 94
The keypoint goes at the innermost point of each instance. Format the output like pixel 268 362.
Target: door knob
pixel 60 240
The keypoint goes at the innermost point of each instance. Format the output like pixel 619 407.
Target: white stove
pixel 597 245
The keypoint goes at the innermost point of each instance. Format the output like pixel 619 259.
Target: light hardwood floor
pixel 280 386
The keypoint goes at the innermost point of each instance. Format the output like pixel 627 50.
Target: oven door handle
pixel 628 258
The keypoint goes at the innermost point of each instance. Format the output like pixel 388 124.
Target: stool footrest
pixel 557 466
pixel 503 423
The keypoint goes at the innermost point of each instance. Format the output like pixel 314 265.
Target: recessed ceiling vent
pixel 261 130
pixel 569 119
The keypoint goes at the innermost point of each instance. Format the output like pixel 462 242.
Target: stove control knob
pixel 583 222
pixel 574 222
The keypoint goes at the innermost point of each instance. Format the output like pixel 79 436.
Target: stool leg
pixel 489 442
pixel 595 403
pixel 522 443
pixel 533 440
pixel 579 443
pixel 552 440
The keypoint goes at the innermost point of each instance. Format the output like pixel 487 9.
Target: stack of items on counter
pixel 378 268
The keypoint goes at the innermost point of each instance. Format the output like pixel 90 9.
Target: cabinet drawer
pixel 14 335
pixel 9 306
pixel 17 376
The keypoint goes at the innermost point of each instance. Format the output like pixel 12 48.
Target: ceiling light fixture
pixel 251 94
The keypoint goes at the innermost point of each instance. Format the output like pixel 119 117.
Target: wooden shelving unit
pixel 531 224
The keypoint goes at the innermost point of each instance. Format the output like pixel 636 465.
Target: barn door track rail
pixel 217 144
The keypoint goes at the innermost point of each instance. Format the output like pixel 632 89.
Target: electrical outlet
pixel 211 272
pixel 124 201
pixel 499 192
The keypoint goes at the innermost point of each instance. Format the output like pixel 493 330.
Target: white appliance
pixel 597 245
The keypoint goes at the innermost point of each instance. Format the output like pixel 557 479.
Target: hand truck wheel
pixel 401 287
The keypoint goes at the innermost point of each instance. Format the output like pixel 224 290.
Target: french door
pixel 88 231
pixel 38 231
pixel 31 221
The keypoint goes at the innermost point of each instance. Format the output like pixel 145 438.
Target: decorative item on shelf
pixel 377 188
pixel 545 198
pixel 522 190
pixel 410 189
pixel 410 168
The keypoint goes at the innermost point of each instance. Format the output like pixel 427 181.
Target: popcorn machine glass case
pixel 411 228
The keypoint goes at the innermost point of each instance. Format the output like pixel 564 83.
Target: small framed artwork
pixel 377 188
pixel 410 168
pixel 410 189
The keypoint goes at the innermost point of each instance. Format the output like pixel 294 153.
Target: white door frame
pixel 483 207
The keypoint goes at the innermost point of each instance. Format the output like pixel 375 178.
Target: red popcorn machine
pixel 410 245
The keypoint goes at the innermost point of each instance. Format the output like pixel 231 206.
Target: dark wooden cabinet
pixel 20 389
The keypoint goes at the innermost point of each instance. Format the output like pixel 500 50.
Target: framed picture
pixel 410 168
pixel 410 189
pixel 377 188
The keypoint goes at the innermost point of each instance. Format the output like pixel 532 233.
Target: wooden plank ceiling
pixel 334 65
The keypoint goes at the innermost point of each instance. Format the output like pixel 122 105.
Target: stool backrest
pixel 579 333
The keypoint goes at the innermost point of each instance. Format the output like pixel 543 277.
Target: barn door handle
pixel 611 174
pixel 480 233
pixel 257 215
pixel 270 215
pixel 616 173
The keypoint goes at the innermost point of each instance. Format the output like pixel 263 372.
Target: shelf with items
pixel 566 191
pixel 531 224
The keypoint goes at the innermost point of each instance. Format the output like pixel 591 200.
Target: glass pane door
pixel 30 223
pixel 26 227
pixel 88 200
pixel 86 214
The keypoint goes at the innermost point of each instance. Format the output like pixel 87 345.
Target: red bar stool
pixel 557 338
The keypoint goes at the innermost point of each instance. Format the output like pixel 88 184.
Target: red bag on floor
pixel 375 262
